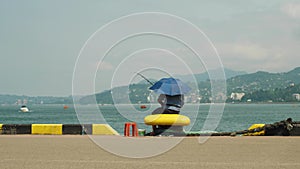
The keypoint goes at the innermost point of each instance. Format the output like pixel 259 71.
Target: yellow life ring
pixel 167 119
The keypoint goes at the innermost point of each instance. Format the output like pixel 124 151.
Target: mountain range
pixel 263 81
pixel 237 82
pixel 200 77
pixel 254 85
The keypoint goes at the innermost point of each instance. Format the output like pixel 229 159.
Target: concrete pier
pixel 78 152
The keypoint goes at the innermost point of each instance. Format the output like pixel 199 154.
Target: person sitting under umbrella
pixel 171 97
pixel 169 104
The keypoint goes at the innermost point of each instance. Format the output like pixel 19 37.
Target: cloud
pixel 246 50
pixel 250 56
pixel 291 9
pixel 102 65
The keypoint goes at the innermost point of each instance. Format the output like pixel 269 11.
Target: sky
pixel 47 46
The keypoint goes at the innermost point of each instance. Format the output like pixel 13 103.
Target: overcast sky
pixel 40 41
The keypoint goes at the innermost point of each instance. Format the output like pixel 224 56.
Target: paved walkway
pixel 79 152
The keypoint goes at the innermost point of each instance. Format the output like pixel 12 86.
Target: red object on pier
pixel 127 129
pixel 143 106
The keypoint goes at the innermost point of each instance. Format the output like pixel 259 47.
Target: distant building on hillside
pixel 237 96
pixel 297 96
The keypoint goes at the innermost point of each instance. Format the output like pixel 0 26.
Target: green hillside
pixel 276 95
pixel 263 81
pixel 257 87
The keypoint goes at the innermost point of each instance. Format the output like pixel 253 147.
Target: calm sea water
pixel 235 116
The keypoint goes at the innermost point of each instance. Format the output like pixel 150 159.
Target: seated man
pixel 169 105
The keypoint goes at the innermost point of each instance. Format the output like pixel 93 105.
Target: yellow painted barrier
pixel 51 129
pixel 167 119
pixel 256 126
pixel 1 128
pixel 103 129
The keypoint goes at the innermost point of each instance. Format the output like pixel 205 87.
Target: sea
pixel 204 117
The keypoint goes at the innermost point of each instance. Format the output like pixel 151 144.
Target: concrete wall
pixel 58 129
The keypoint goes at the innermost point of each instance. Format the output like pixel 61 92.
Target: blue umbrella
pixel 170 86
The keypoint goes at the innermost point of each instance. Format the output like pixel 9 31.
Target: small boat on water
pixel 66 107
pixel 143 106
pixel 24 109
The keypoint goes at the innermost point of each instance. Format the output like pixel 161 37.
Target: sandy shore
pixel 35 152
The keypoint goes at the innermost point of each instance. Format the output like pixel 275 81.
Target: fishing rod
pixel 145 78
